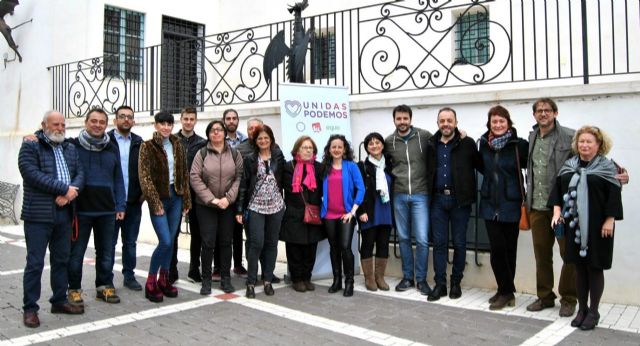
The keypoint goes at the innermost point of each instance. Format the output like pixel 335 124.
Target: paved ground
pixel 288 317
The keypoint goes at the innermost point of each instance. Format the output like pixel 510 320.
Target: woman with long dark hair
pixel 343 191
pixel 503 153
pixel 261 200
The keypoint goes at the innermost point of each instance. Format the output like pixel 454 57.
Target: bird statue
pixel 7 7
pixel 278 50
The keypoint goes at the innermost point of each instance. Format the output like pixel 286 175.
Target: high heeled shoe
pixel 580 316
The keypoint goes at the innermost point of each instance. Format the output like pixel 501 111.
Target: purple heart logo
pixel 293 108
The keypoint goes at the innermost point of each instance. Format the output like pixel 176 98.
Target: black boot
pixel 336 266
pixel 348 288
pixel 348 264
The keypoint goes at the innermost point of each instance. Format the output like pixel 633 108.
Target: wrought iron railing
pixel 391 47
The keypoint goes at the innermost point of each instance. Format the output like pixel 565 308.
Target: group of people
pixel 226 182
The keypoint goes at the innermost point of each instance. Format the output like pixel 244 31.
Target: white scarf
pixel 381 179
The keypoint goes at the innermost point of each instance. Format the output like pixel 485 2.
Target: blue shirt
pixel 240 137
pixel 444 178
pixel 124 146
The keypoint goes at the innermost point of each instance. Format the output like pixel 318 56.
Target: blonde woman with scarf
pixel 302 183
pixel 586 201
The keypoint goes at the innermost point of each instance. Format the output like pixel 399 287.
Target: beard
pixel 55 136
pixel 232 127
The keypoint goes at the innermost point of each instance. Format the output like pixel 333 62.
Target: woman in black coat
pixel 501 198
pixel 375 212
pixel 302 181
pixel 587 200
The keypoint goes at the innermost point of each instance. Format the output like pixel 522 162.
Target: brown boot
pixel 367 269
pixel 381 266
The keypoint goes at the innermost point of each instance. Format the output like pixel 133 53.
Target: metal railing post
pixel 585 43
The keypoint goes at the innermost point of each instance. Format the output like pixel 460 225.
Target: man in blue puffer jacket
pixel 52 177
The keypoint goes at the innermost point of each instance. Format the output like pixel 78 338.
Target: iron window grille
pixel 123 43
pixel 472 38
pixel 324 59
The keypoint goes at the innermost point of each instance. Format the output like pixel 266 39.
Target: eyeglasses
pixel 217 130
pixel 545 110
pixel 125 116
pixel 306 148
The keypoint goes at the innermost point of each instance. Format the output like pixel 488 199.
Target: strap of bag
pixel 520 173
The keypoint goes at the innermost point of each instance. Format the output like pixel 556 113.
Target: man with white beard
pixel 52 177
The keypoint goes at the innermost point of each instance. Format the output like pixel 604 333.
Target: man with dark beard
pixel 454 191
pixel 52 177
pixel 128 145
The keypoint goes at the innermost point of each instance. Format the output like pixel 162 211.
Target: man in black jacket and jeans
pixel 454 191
pixel 128 144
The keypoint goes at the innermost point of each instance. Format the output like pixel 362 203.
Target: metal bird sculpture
pixel 278 50
pixel 7 7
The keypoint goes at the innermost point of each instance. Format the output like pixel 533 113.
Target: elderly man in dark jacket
pixel 52 177
pixel 454 191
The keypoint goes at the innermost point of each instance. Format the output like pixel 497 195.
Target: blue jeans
pixel 103 227
pixel 166 228
pixel 130 227
pixel 444 210
pixel 412 218
pixel 38 235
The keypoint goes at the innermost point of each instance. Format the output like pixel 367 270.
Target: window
pixel 324 55
pixel 472 38
pixel 123 43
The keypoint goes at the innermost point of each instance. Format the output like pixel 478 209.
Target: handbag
pixel 311 212
pixel 524 211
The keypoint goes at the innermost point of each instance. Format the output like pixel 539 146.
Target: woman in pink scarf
pixel 302 183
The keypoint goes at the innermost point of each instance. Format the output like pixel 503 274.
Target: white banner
pixel 317 111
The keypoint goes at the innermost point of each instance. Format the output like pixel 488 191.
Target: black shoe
pixel 348 288
pixel 424 288
pixel 268 290
pixel 455 292
pixel 336 285
pixel 275 279
pixel 437 292
pixel 206 287
pixel 251 292
pixel 580 316
pixel 226 286
pixel 173 276
pixel 194 276
pixel 591 321
pixel 132 284
pixel 404 285
pixel 494 298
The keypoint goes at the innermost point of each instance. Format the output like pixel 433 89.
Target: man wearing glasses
pixel 128 144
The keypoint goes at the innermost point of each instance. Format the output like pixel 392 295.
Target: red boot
pixel 151 289
pixel 165 285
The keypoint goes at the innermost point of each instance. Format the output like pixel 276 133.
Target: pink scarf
pixel 309 180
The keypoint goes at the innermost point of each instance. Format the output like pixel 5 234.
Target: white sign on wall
pixel 317 111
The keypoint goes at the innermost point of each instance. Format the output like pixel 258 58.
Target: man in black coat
pixel 52 177
pixel 454 191
pixel 128 144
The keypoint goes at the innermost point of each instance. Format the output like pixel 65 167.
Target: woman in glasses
pixel 302 183
pixel 215 178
